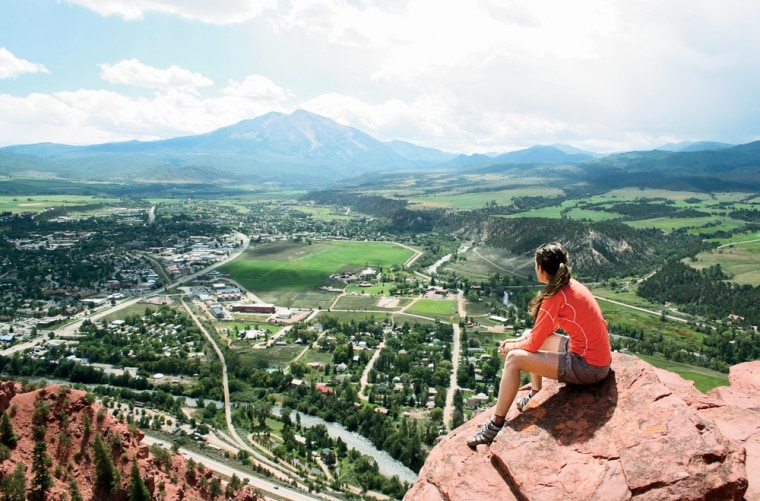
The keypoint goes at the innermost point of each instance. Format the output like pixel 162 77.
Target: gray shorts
pixel 574 369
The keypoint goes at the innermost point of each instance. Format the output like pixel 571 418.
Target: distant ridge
pixel 546 155
pixel 686 146
pixel 305 150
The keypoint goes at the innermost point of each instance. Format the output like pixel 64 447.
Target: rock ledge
pixel 643 434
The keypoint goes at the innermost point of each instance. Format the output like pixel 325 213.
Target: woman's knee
pixel 515 358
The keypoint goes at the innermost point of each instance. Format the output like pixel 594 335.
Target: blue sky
pixel 458 75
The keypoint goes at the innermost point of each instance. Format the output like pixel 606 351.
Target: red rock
pixel 641 434
pixel 7 392
pixel 80 468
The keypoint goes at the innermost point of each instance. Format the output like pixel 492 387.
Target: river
pixel 385 463
pixel 434 267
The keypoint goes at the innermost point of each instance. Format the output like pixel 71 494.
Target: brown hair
pixel 552 258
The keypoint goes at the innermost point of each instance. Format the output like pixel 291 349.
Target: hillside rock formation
pixel 70 422
pixel 643 434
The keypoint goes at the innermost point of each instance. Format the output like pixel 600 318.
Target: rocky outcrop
pixel 67 421
pixel 7 392
pixel 642 434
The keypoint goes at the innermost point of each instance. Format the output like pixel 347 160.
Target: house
pixel 475 401
pixel 322 388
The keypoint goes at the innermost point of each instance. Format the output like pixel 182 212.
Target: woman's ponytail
pixel 552 258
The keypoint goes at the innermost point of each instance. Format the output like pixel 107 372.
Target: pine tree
pixel 138 491
pixel 106 474
pixel 13 485
pixel 41 481
pixel 7 435
pixel 74 491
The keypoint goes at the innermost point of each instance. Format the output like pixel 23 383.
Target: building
pixel 260 308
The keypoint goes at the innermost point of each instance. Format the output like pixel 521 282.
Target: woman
pixel 581 357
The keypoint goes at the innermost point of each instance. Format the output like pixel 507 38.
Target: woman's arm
pixel 507 344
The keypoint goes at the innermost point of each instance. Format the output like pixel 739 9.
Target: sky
pixel 461 76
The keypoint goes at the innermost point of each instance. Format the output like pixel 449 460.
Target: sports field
pixel 300 266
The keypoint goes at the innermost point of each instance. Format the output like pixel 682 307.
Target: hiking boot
pixel 522 402
pixel 485 434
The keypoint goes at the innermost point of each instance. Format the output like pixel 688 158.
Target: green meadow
pixel 300 266
pixel 650 323
pixel 433 307
pixel 476 200
pixel 18 204
pixel 739 259
pixel 704 379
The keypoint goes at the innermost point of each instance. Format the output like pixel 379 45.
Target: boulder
pixel 641 434
pixel 8 390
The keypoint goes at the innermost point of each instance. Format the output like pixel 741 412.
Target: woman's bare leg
pixel 540 363
pixel 550 344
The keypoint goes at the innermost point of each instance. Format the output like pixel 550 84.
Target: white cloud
pixel 89 116
pixel 213 12
pixel 479 75
pixel 133 72
pixel 256 87
pixel 12 66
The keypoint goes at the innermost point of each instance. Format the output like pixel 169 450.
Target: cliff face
pixel 68 423
pixel 641 434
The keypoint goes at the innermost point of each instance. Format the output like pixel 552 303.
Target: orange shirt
pixel 574 309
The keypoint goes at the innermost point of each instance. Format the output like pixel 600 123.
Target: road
pixel 227 470
pixel 277 469
pixel 367 369
pixel 448 410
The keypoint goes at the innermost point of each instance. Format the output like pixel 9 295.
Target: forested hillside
pixel 598 250
pixel 707 293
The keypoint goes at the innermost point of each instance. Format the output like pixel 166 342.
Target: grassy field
pixel 19 204
pixel 348 316
pixel 739 258
pixel 302 267
pixel 274 357
pixel 133 310
pixel 649 323
pixel 704 379
pixel 367 303
pixel 442 308
pixel 477 200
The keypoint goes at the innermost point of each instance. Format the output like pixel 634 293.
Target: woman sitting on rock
pixel 581 357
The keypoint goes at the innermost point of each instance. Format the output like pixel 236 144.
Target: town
pixel 158 298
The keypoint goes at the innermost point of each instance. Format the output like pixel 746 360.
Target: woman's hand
pixel 506 346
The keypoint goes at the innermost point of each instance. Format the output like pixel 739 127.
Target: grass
pixel 704 379
pixel 669 224
pixel 301 267
pixel 433 307
pixel 19 204
pixel 649 323
pixel 477 200
pixel 361 303
pixel 357 316
pixel 275 356
pixel 739 257
pixel 133 310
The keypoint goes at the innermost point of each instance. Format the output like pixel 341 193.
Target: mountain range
pixel 303 149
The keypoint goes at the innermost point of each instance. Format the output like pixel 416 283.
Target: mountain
pixel 694 146
pixel 544 155
pixel 304 150
pixel 300 148
pixel 735 168
pixel 17 164
pixel 423 156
